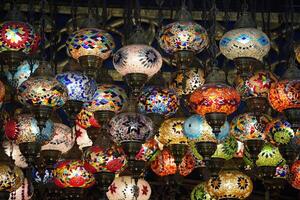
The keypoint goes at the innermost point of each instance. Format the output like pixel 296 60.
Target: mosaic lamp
pixel 215 99
pixel 90 46
pixel 295 175
pixel 126 187
pixel 230 184
pixel 284 95
pixel 137 63
pixel 183 38
pixel 200 192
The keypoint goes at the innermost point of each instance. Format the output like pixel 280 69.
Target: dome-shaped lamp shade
pixel 197 129
pixel 158 100
pixel 79 86
pixel 107 98
pixel 183 36
pixel 18 36
pixel 90 42
pixel 211 98
pixel 10 178
pixel 187 82
pixel 25 129
pixel 72 173
pixel 149 150
pixel 200 193
pixel 62 140
pixel 285 95
pixel 22 74
pixel 256 85
pixel 269 156
pixel 126 127
pixel 279 132
pixel 226 149
pixel 124 187
pixel 137 59
pixel 42 91
pixel 104 160
pixel 247 126
pixel 245 42
pixel 24 192
pixel 230 183
pixel 295 175
pixel 164 164
pixel 171 132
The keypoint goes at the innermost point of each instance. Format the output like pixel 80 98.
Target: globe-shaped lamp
pixel 279 132
pixel 171 132
pixel 200 193
pixel 295 175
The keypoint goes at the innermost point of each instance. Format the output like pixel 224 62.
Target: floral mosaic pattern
pixel 240 185
pixel 285 94
pixel 18 36
pixel 214 98
pixel 90 42
pixel 269 156
pixel 137 58
pixel 200 193
pixel 183 36
pixel 247 126
pixel 129 126
pixel 226 149
pixel 124 187
pixel 72 173
pixel 10 178
pixel 86 119
pixel 104 160
pixel 158 100
pixel 107 98
pixel 279 131
pixel 245 42
pixel 79 86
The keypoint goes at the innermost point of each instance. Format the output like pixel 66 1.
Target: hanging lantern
pixel 72 173
pixel 231 184
pixel 295 175
pixel 90 46
pixel 158 100
pixel 279 132
pixel 137 63
pixel 24 192
pixel 125 187
pixel 284 96
pixel 200 193
pixel 11 178
pixel 215 100
pixel 164 164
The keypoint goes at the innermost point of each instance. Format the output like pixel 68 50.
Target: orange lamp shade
pixel 217 97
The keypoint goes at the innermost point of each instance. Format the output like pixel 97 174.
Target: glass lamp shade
pixel 171 132
pixel 86 119
pixel 149 150
pixel 285 95
pixel 72 173
pixel 79 86
pixel 244 42
pixel 187 82
pixel 18 36
pixel 200 193
pixel 24 192
pixel 62 140
pixel 247 126
pixel 25 129
pixel 107 98
pixel 129 126
pixel 22 74
pixel 256 85
pixel 183 36
pixel 211 98
pixel 279 131
pixel 295 175
pixel 158 100
pixel 104 160
pixel 227 149
pixel 197 129
pixel 41 91
pixel 46 178
pixel 124 187
pixel 164 164
pixel 230 184
pixel 90 42
pixel 137 58
pixel 10 178
pixel 269 156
